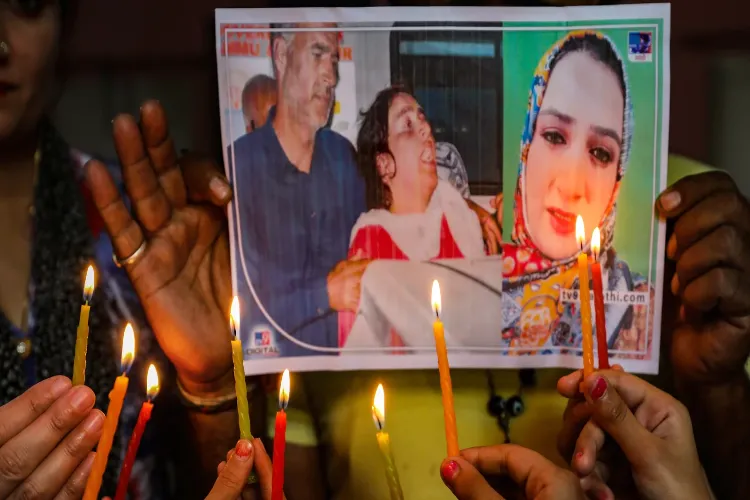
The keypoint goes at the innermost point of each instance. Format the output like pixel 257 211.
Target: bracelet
pixel 210 405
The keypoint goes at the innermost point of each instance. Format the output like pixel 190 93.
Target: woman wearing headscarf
pixel 574 154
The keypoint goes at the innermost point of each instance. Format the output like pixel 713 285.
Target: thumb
pixel 466 482
pixel 610 412
pixel 233 476
pixel 359 254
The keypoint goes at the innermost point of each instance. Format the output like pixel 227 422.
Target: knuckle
pixel 618 412
pixel 229 480
pixel 71 489
pixel 28 490
pixel 59 421
pixel 12 467
pixel 729 238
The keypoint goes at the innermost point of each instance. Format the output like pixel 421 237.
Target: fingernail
pixel 675 284
pixel 449 470
pixel 672 247
pixel 82 398
pixel 600 387
pixel 670 200
pixel 219 188
pixel 243 449
pixel 61 385
pixel 94 422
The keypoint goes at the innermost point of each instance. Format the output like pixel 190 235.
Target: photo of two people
pixel 367 163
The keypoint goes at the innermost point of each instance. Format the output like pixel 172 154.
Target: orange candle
pixel 384 443
pixel 82 334
pixel 152 389
pixel 601 324
pixel 279 440
pixel 116 399
pixel 449 414
pixel 585 301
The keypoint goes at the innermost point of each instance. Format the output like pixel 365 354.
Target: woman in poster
pixel 574 154
pixel 412 214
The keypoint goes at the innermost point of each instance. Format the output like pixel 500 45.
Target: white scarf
pixel 418 235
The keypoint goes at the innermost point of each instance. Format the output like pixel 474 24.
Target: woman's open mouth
pixel 563 223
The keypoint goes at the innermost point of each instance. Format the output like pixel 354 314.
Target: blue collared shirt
pixel 294 227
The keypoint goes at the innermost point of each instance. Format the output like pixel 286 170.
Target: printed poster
pixel 374 151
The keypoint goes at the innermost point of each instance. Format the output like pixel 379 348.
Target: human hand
pixel 232 481
pixel 46 437
pixel 179 246
pixel 497 204
pixel 531 475
pixel 710 244
pixel 491 232
pixel 344 283
pixel 638 443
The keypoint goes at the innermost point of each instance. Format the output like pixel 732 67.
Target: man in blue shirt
pixel 298 196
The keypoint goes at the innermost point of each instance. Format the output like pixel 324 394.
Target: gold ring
pixel 133 257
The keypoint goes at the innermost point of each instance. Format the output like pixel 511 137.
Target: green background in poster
pixel 522 51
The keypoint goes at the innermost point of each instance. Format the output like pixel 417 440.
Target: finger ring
pixel 4 48
pixel 133 257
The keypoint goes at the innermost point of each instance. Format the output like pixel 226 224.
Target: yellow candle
pixel 116 399
pixel 82 335
pixel 243 409
pixel 585 301
pixel 451 434
pixel 384 443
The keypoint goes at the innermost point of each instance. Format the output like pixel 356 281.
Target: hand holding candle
pixel 152 384
pixel 585 301
pixel 279 440
pixel 116 399
pixel 384 443
pixel 82 335
pixel 451 433
pixel 601 324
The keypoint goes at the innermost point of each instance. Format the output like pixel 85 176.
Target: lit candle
pixel 240 387
pixel 82 335
pixel 243 409
pixel 279 440
pixel 601 324
pixel 585 301
pixel 116 399
pixel 384 443
pixel 152 389
pixel 451 434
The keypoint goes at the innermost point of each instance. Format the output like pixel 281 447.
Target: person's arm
pixel 721 424
pixel 202 439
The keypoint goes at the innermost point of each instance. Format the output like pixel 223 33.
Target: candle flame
pixel 580 232
pixel 234 316
pixel 595 243
pixel 152 382
pixel 284 390
pixel 88 285
pixel 436 306
pixel 378 408
pixel 128 349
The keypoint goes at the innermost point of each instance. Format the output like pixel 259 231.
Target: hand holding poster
pixel 372 154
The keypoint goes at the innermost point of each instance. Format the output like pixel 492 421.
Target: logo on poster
pixel 262 341
pixel 640 47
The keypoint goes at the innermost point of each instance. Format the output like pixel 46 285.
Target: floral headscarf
pixel 523 264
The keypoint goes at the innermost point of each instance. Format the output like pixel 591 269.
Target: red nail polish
pixel 579 455
pixel 243 448
pixel 449 470
pixel 600 387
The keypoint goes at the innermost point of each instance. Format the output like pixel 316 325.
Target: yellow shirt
pixel 338 406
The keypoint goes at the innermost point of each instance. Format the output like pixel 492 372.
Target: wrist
pixel 207 389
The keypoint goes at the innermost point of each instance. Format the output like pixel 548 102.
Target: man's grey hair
pixel 288 37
